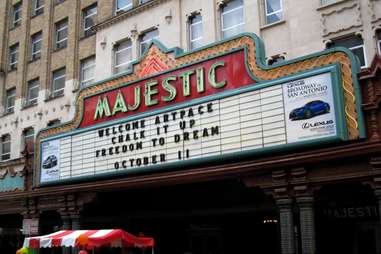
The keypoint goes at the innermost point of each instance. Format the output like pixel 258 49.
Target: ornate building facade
pixel 324 198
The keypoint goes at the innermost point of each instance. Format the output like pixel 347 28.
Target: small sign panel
pixel 50 160
pixel 30 226
pixel 278 115
pixel 309 108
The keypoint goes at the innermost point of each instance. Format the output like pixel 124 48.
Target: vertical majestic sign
pixel 219 102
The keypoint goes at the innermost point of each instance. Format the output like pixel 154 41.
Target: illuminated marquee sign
pixel 216 107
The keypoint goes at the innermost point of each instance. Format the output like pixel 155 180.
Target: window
pixel 274 11
pixel 13 56
pixel 89 19
pixel 123 5
pixel 10 100
pixel 232 20
pixel 5 147
pixel 326 2
pixel 379 42
pixel 146 38
pixel 54 122
pixel 122 56
pixel 355 44
pixel 28 138
pixel 58 82
pixel 61 34
pixel 195 31
pixel 16 14
pixel 87 71
pixel 38 7
pixel 32 92
pixel 36 46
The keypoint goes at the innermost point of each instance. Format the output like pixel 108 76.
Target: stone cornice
pixel 124 15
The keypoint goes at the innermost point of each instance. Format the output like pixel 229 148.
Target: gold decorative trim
pixel 269 74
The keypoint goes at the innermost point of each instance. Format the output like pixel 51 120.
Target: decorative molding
pixel 174 58
pixel 221 3
pixel 374 15
pixel 339 23
pixel 3 173
pixel 375 166
pixel 12 171
pixel 371 88
pixel 151 65
pixel 124 15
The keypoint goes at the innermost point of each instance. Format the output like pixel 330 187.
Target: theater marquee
pixel 217 103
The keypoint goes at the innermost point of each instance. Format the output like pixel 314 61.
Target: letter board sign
pixel 198 108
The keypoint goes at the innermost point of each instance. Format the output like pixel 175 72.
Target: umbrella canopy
pixel 88 239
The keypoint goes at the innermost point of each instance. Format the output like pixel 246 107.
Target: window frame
pixel 57 92
pixel 36 55
pixel 345 42
pixel 85 83
pixel 13 50
pixel 230 11
pixel 125 8
pixel 87 30
pixel 141 42
pixel 191 25
pixel 37 10
pixel 272 13
pixel 57 44
pixel 17 22
pixel 3 142
pixel 118 51
pixel 27 137
pixel 364 53
pixel 328 2
pixel 10 109
pixel 36 84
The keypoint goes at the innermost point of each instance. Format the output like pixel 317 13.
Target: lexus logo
pixel 305 125
pixel 316 124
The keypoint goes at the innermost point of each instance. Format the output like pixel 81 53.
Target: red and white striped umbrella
pixel 93 239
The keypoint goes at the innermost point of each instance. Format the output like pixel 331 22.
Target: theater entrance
pixel 203 218
pixel 347 220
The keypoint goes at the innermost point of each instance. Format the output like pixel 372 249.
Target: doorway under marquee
pixel 204 218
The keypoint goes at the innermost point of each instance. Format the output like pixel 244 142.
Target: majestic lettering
pixel 155 91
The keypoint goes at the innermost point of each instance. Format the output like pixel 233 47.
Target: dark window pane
pixel 355 44
pixel 10 100
pixel 272 6
pixel 123 5
pixel 58 82
pixel 32 93
pixel 146 38
pixel 359 52
pixel 233 4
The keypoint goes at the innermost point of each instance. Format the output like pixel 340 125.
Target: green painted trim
pixel 12 183
pixel 181 165
pixel 255 86
pixel 341 131
pixel 260 59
